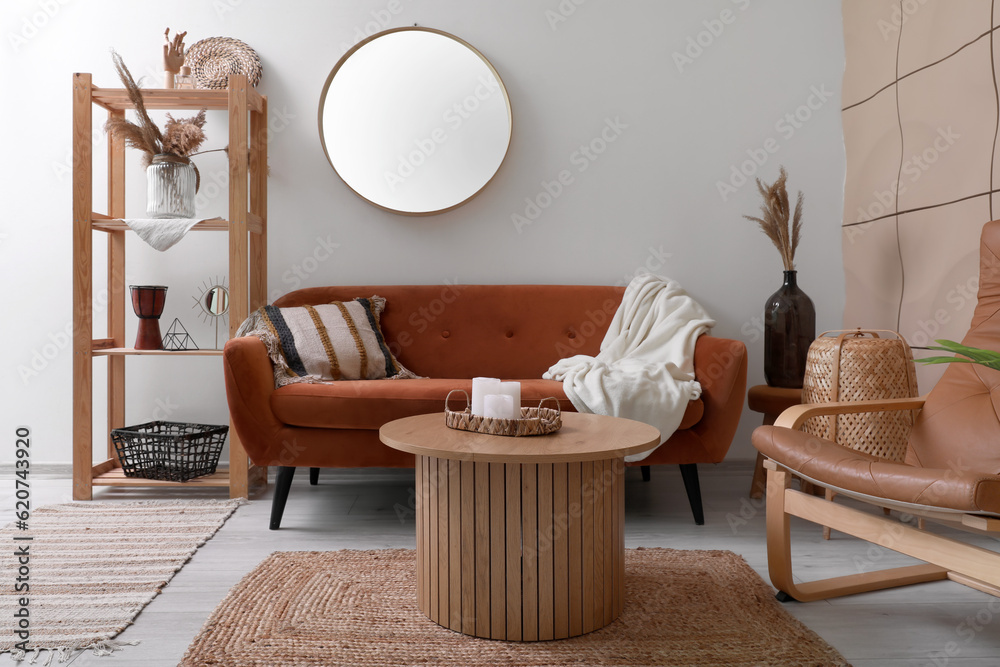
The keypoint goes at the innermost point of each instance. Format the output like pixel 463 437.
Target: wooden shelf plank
pixel 255 224
pixel 116 477
pixel 163 98
pixel 103 223
pixel 255 100
pixel 128 351
pixel 106 224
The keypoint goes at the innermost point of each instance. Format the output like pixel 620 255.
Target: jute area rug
pixel 92 567
pixel 359 608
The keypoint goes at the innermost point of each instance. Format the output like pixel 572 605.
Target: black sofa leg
pixel 313 476
pixel 689 472
pixel 645 473
pixel 282 484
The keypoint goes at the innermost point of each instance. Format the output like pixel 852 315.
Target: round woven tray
pixel 212 60
pixel 533 421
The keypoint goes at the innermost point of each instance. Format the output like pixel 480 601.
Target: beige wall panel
pixel 935 29
pixel 942 277
pixel 947 115
pixel 872 142
pixel 871 275
pixel 869 37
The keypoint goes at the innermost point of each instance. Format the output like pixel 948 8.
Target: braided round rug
pixel 213 59
pixel 359 608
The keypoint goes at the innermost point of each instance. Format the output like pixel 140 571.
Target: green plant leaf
pixel 944 360
pixel 988 358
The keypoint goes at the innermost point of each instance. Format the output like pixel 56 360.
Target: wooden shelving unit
pixel 247 231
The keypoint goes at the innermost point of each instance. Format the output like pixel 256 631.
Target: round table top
pixel 583 437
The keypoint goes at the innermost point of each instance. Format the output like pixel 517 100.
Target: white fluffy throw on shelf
pixel 645 369
pixel 161 233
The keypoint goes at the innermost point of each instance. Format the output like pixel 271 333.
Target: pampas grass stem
pixel 182 136
pixel 777 221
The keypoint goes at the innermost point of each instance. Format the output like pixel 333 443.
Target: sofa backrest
pixel 959 426
pixel 465 331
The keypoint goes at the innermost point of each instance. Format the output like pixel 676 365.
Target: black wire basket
pixel 169 451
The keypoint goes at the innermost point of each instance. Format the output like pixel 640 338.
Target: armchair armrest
pixel 796 415
pixel 249 385
pixel 720 365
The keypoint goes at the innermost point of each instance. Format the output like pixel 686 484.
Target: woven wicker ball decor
pixel 861 366
pixel 213 59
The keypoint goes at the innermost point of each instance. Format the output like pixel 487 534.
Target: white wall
pixel 653 191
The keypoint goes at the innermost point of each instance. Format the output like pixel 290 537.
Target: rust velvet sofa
pixel 450 334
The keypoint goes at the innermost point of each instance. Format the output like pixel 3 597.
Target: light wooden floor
pixel 932 624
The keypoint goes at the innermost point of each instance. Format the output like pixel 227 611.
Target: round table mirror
pixel 217 300
pixel 415 120
pixel 214 303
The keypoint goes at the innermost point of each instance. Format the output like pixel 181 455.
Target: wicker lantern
pixel 859 366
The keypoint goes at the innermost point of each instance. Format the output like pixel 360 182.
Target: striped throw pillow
pixel 341 340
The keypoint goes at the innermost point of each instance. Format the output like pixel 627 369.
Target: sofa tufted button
pixel 571 334
pixel 510 334
pixel 445 333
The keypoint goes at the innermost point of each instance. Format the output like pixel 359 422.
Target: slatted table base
pixel 520 552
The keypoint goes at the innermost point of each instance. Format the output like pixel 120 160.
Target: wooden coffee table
pixel 521 539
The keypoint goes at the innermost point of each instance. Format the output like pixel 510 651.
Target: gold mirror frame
pixel 213 303
pixel 492 70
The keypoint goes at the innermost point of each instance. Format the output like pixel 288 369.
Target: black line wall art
pixel 920 118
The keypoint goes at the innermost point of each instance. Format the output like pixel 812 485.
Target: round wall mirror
pixel 415 120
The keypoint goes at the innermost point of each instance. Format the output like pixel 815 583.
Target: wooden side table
pixel 521 539
pixel 771 401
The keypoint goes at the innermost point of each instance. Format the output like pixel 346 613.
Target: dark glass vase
pixel 789 330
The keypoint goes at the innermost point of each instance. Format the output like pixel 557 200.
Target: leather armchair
pixel 951 473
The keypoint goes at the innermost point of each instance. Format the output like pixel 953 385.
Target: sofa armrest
pixel 795 416
pixel 249 385
pixel 720 366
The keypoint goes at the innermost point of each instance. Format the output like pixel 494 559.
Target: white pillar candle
pixel 498 406
pixel 513 389
pixel 481 387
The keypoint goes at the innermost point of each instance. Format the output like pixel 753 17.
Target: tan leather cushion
pixel 368 404
pixel 959 426
pixel 829 463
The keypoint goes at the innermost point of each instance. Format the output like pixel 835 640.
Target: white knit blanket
pixel 645 369
pixel 161 233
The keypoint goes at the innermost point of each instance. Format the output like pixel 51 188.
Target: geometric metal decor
pixel 177 338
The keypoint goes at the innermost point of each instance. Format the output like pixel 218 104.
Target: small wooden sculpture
pixel 173 57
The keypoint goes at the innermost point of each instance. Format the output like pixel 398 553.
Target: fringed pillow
pixel 341 340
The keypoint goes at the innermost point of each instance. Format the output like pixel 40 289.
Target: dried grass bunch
pixel 184 136
pixel 181 137
pixel 776 216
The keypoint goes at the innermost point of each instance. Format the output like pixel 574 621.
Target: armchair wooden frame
pixel 944 557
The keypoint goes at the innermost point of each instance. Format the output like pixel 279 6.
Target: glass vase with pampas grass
pixel 171 177
pixel 789 314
